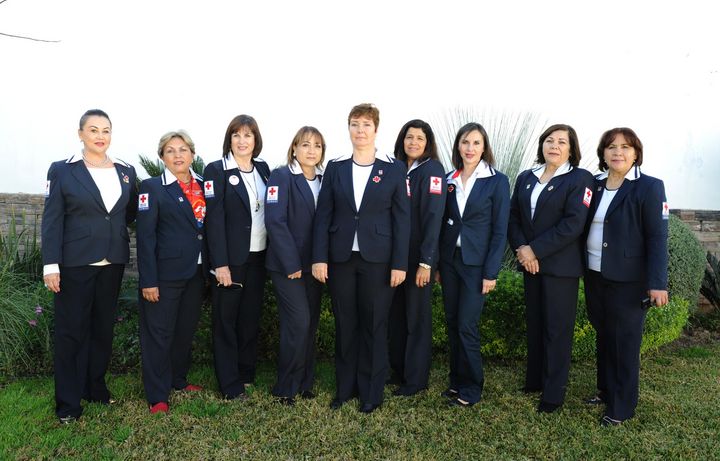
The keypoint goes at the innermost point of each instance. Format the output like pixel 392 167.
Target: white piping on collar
pixel 483 170
pixel 384 157
pixel 229 162
pixel 562 169
pixel 632 174
pixel 416 164
pixel 169 178
pixel 295 168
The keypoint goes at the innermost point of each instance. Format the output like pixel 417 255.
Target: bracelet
pixel 425 266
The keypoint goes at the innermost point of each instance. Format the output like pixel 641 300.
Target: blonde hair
pixel 182 134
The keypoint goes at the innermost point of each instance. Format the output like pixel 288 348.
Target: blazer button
pixel 604 244
pixel 200 237
pixel 107 218
pixel 357 217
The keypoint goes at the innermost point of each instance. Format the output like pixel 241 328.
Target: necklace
pixel 252 188
pixel 97 165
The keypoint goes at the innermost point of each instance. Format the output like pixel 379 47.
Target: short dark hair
pixel 238 122
pixel 430 146
pixel 365 110
pixel 575 155
pixel 306 131
pixel 93 113
pixel 609 136
pixel 487 150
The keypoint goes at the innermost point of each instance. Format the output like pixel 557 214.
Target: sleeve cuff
pixel 51 269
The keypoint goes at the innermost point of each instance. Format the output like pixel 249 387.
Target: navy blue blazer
pixel 555 232
pixel 289 217
pixel 635 231
pixel 482 226
pixel 228 221
pixel 169 237
pixel 382 222
pixel 77 230
pixel 427 196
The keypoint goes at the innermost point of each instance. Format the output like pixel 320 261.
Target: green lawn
pixel 678 418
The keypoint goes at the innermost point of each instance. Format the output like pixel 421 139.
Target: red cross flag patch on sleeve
pixel 209 189
pixel 272 194
pixel 143 202
pixel 587 197
pixel 435 185
pixel 666 211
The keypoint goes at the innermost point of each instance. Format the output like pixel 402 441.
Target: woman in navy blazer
pixel 547 217
pixel 472 243
pixel 90 199
pixel 170 255
pixel 627 258
pixel 362 226
pixel 289 214
pixel 410 322
pixel 237 242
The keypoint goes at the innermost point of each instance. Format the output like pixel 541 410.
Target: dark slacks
pixel 464 301
pixel 85 310
pixel 361 297
pixel 236 325
pixel 615 311
pixel 166 333
pixel 410 333
pixel 550 307
pixel 299 312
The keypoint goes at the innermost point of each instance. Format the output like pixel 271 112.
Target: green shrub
pixel 687 263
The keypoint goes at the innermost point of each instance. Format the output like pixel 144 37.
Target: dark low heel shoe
pixel 368 408
pixel 450 393
pixel 547 407
pixel 595 400
pixel 456 402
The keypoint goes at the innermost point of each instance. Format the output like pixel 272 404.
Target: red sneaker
pixel 160 407
pixel 191 388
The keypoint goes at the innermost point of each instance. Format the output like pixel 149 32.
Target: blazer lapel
pixel 524 195
pixel 125 186
pixel 304 190
pixel 373 182
pixel 176 195
pixel 547 193
pixel 240 188
pixel 620 196
pixel 476 192
pixel 345 170
pixel 85 179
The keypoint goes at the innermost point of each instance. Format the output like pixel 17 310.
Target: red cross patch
pixel 376 179
pixel 587 197
pixel 272 194
pixel 209 189
pixel 143 202
pixel 665 210
pixel 435 185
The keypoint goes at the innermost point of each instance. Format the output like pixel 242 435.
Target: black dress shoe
pixel 67 419
pixel 450 393
pixel 456 402
pixel 608 421
pixel 241 397
pixel 307 395
pixel 547 407
pixel 287 401
pixel 595 400
pixel 336 404
pixel 529 390
pixel 368 408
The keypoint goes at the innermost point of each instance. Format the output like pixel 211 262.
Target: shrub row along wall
pixel 26 210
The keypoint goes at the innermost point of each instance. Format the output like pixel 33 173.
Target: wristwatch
pixel 425 266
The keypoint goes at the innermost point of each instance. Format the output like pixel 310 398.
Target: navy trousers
pixel 410 334
pixel 85 311
pixel 236 325
pixel 550 307
pixel 464 302
pixel 299 312
pixel 361 297
pixel 615 311
pixel 167 328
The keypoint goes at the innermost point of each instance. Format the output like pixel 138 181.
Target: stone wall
pixel 26 211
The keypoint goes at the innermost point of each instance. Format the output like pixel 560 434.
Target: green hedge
pixel 686 265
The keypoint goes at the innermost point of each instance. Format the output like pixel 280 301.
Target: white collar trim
pixel 632 174
pixel 483 170
pixel 169 178
pixel 562 169
pixel 384 157
pixel 295 168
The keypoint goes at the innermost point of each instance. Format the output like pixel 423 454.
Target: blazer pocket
pixel 634 252
pixel 383 230
pixel 76 234
pixel 169 253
